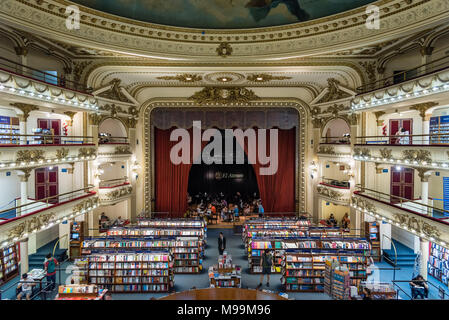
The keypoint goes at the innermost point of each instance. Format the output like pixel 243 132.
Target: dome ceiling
pixel 223 14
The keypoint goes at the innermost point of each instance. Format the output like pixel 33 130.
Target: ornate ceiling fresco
pixel 223 14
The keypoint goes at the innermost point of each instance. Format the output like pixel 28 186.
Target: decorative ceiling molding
pixel 225 95
pixel 338 32
pixel 184 78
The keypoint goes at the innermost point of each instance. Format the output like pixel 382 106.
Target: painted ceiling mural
pixel 223 14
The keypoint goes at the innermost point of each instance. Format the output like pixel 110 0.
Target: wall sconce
pixel 135 167
pixel 313 169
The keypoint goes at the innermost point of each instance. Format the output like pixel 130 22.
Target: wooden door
pixel 46 183
pixel 54 125
pixel 395 124
pixel 402 183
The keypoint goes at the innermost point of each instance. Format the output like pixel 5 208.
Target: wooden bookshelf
pixel 279 246
pixel 186 252
pixel 438 264
pixel 372 232
pixel 175 223
pixel 9 267
pixel 305 272
pixel 127 272
pixel 76 238
pixel 336 280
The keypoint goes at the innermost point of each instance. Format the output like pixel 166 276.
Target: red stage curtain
pixel 171 181
pixel 278 191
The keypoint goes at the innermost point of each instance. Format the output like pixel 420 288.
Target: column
pixel 426 59
pixel 24 175
pixel 22 129
pixel 23 256
pixel 424 250
pixel 424 175
pixel 426 129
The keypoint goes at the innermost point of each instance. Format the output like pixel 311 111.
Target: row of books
pixel 129 272
pixel 140 232
pixel 131 280
pixel 171 224
pixel 119 257
pixel 9 263
pixel 138 288
pixel 138 244
pixel 438 263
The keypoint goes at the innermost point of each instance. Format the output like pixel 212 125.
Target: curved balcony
pixel 44 213
pixel 111 148
pixel 334 147
pixel 114 190
pixel 422 150
pixel 335 191
pixel 30 151
pixel 423 220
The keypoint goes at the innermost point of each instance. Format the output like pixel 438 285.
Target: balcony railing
pixel 335 140
pixel 42 76
pixel 419 71
pixel 411 139
pixel 8 139
pixel 341 184
pixel 34 207
pixel 404 203
pixel 113 140
pixel 113 183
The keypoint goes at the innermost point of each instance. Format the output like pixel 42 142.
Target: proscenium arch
pixel 269 103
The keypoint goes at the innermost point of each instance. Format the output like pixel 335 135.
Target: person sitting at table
pixel 104 221
pixel 118 222
pixel 419 287
pixel 25 287
pixel 332 221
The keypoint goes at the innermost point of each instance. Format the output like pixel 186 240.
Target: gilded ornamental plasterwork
pixel 301 107
pixel 311 36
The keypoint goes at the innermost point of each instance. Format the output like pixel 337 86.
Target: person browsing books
pixel 50 270
pixel 266 262
pixel 221 243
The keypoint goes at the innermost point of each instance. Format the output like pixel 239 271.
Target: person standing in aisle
pixel 221 243
pixel 50 270
pixel 266 262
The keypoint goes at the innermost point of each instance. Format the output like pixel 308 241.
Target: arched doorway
pixel 335 130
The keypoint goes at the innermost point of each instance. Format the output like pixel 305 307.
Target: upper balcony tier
pixel 336 191
pixel 420 84
pixel 19 83
pixel 39 215
pixel 423 220
pixel 24 151
pixel 114 190
pixel 113 148
pixel 426 151
pixel 334 147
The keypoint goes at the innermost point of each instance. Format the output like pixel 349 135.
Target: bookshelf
pixel 438 263
pixel 225 274
pixel 336 280
pixel 9 126
pixel 279 246
pixel 177 224
pixel 80 292
pixel 439 125
pixel 186 251
pixel 305 272
pixel 9 263
pixel 372 232
pixel 155 232
pixel 76 238
pixel 135 272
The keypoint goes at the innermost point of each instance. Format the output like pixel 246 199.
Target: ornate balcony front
pixel 429 82
pixel 30 151
pixel 335 148
pixel 42 214
pixel 20 83
pixel 115 190
pixel 114 148
pixel 420 151
pixel 422 220
pixel 337 192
